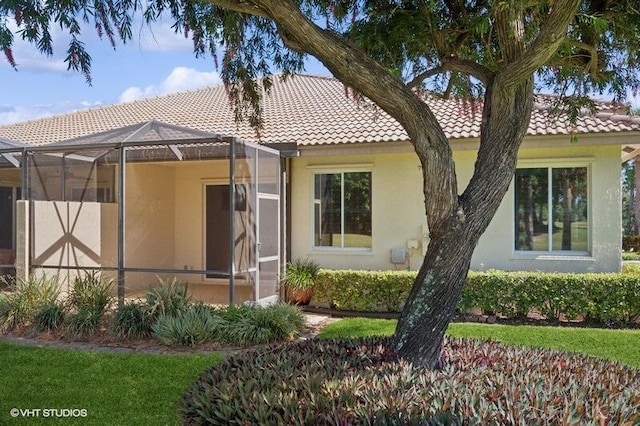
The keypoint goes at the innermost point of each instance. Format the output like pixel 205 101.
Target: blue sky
pixel 156 62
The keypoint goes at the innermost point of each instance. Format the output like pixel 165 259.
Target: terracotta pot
pixel 300 296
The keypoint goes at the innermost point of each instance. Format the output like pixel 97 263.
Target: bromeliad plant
pixel 361 381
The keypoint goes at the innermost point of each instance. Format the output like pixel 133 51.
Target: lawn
pixel 618 345
pixel 113 388
pixel 128 388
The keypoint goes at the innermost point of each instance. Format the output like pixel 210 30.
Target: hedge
pixel 598 297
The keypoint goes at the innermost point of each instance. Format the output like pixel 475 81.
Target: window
pixel 551 209
pixel 342 210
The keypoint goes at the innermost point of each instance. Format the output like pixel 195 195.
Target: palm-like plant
pixel 299 280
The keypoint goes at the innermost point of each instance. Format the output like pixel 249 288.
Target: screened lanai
pixel 10 191
pixel 154 201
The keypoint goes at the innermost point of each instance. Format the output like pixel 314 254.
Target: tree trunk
pixel 455 231
pixel 433 299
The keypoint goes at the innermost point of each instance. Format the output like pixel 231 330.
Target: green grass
pixel 618 345
pixel 128 388
pixel 114 388
pixel 630 255
pixel 579 238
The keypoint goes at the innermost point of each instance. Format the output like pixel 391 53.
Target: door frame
pixel 15 196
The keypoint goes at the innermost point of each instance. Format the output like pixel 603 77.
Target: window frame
pixel 341 170
pixel 550 165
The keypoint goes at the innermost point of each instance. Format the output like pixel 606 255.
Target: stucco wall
pixel 150 221
pixel 189 212
pixel 398 210
pixel 65 234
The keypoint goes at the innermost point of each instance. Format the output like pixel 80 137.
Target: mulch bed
pixel 102 340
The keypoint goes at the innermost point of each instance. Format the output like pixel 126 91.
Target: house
pixel 145 188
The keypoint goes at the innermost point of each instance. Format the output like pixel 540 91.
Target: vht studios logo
pixel 48 412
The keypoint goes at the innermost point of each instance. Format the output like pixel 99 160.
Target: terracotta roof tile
pixel 309 110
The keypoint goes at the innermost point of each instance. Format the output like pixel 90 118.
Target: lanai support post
pixel 232 222
pixel 121 223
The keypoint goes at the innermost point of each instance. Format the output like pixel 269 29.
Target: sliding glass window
pixel 551 209
pixel 342 210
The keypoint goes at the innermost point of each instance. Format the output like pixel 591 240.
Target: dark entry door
pixel 6 217
pixel 217 230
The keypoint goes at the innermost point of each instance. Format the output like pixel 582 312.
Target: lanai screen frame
pixel 9 150
pixel 231 144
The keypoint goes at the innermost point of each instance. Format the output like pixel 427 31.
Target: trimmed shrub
pixel 608 298
pixel 631 269
pixel 49 316
pixel 131 321
pixel 384 291
pixel 192 327
pixel 360 381
pixel 630 255
pixel 260 325
pixel 170 298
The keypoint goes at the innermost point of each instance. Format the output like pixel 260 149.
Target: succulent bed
pixel 358 381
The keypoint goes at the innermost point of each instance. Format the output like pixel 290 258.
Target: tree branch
pixel 463 66
pixel 346 61
pixel 356 69
pixel 522 64
pixel 415 82
pixel 243 6
pixel 592 62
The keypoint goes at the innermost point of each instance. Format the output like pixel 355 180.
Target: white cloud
pixel 180 79
pixel 15 114
pixel 28 58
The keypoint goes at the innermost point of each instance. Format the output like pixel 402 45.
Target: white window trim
pixel 550 164
pixel 338 169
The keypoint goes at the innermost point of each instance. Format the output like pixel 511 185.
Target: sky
pixel 156 62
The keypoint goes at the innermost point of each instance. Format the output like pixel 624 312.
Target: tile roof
pixel 308 110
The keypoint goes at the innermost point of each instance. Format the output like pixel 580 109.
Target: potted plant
pixel 299 280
